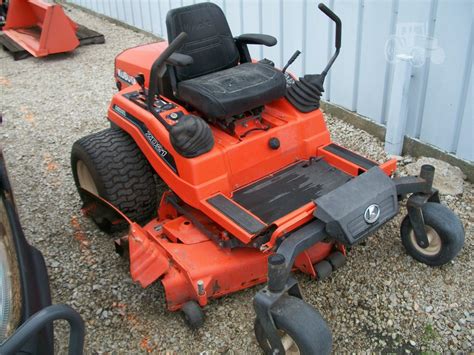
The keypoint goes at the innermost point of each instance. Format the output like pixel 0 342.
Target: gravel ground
pixel 382 300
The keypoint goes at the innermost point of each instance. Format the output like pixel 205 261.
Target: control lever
pixel 157 69
pixel 305 93
pixel 327 11
pixel 190 136
pixel 292 59
pixel 140 79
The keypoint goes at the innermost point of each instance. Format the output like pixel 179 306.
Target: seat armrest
pixel 179 60
pixel 256 38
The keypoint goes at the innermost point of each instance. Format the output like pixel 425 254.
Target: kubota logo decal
pixel 372 213
pixel 124 76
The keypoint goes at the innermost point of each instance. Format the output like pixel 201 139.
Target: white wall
pixel 439 33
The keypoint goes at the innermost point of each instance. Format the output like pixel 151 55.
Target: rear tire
pixel 301 327
pixel 110 164
pixel 445 235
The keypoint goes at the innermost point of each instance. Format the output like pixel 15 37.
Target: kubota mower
pixel 256 188
pixel 39 28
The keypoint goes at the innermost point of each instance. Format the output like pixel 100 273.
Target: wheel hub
pixel 291 348
pixel 434 242
pixel 85 178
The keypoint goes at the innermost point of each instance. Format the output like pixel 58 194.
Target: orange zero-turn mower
pixel 256 190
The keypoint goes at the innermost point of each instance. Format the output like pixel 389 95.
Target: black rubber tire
pixel 323 270
pixel 447 225
pixel 302 323
pixel 337 259
pixel 120 172
pixel 193 314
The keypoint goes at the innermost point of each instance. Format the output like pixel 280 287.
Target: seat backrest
pixel 209 41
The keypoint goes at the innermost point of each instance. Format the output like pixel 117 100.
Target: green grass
pixel 429 335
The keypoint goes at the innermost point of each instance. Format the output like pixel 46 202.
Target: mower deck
pixel 84 35
pixel 196 258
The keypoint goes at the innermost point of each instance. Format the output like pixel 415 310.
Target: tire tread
pixel 122 173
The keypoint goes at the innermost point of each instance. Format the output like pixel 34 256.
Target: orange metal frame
pixel 171 247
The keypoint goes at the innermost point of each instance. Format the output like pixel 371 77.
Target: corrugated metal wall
pixel 438 33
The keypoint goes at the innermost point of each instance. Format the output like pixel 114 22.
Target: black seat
pixel 215 84
pixel 234 90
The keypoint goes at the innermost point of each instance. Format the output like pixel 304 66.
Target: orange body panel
pixel 136 60
pixel 232 163
pixel 40 28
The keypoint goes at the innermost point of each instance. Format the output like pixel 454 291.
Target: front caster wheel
pixel 193 314
pixel 445 234
pixel 323 270
pixel 301 328
pixel 337 259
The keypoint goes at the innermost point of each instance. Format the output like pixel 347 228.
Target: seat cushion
pixel 233 91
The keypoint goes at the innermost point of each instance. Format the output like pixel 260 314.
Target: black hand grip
pixel 294 56
pixel 292 59
pixel 336 19
pixel 172 47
